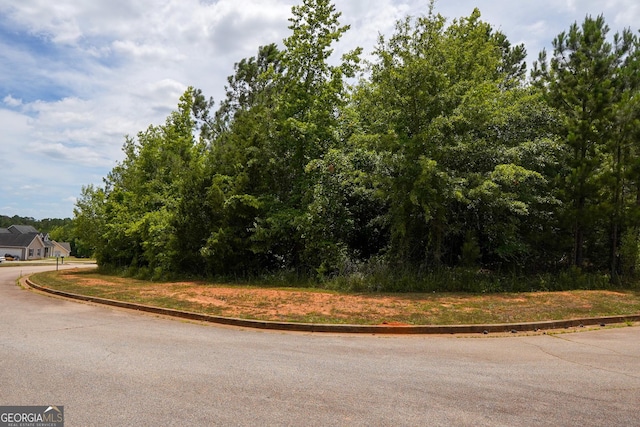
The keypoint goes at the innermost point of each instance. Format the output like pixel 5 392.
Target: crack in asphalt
pixel 594 346
pixel 586 365
pixel 70 328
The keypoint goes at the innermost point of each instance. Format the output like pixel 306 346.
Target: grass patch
pixel 339 307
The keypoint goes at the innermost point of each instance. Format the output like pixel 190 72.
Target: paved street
pixel 110 367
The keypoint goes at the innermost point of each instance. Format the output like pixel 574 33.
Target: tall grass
pixel 378 276
pixel 383 278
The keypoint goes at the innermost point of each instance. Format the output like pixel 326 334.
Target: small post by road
pixel 56 263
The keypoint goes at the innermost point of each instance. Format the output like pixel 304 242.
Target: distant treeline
pixel 445 154
pixel 44 225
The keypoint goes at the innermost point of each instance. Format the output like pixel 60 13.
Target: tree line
pixel 45 225
pixel 442 152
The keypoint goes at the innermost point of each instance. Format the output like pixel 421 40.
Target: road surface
pixel 111 367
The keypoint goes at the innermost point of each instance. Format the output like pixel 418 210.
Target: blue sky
pixel 77 76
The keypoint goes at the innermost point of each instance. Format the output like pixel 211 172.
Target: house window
pixel 30 252
pixel 39 252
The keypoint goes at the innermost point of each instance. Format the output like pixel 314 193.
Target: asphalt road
pixel 111 367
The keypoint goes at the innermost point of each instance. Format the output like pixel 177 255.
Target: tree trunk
pixel 578 248
pixel 618 201
pixel 614 252
pixel 578 253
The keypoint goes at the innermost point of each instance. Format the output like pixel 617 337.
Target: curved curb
pixel 347 329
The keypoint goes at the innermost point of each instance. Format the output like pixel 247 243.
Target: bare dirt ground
pixel 321 306
pixel 264 303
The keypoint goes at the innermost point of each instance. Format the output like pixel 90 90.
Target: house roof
pixel 15 240
pixel 62 245
pixel 22 229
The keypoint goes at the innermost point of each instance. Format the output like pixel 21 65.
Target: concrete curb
pixel 347 329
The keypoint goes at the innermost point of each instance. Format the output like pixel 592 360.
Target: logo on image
pixel 31 416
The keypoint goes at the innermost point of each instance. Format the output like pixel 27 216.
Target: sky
pixel 77 76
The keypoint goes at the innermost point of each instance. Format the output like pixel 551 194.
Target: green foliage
pixel 630 253
pixel 591 82
pixel 441 169
pixel 471 252
pixel 454 125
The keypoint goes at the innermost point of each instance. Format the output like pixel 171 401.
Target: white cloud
pixel 69 21
pixel 82 74
pixel 31 188
pixel 15 128
pixel 623 14
pixel 141 52
pixel 11 101
pixel 367 22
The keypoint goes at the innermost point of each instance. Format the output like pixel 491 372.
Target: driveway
pixel 110 367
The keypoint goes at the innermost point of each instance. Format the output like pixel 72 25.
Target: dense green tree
pixel 89 221
pixel 222 196
pixel 442 155
pixel 251 85
pixel 281 113
pixel 454 123
pixel 138 203
pixel 310 96
pixel 588 82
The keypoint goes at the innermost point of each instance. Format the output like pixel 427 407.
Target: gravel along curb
pixel 348 329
